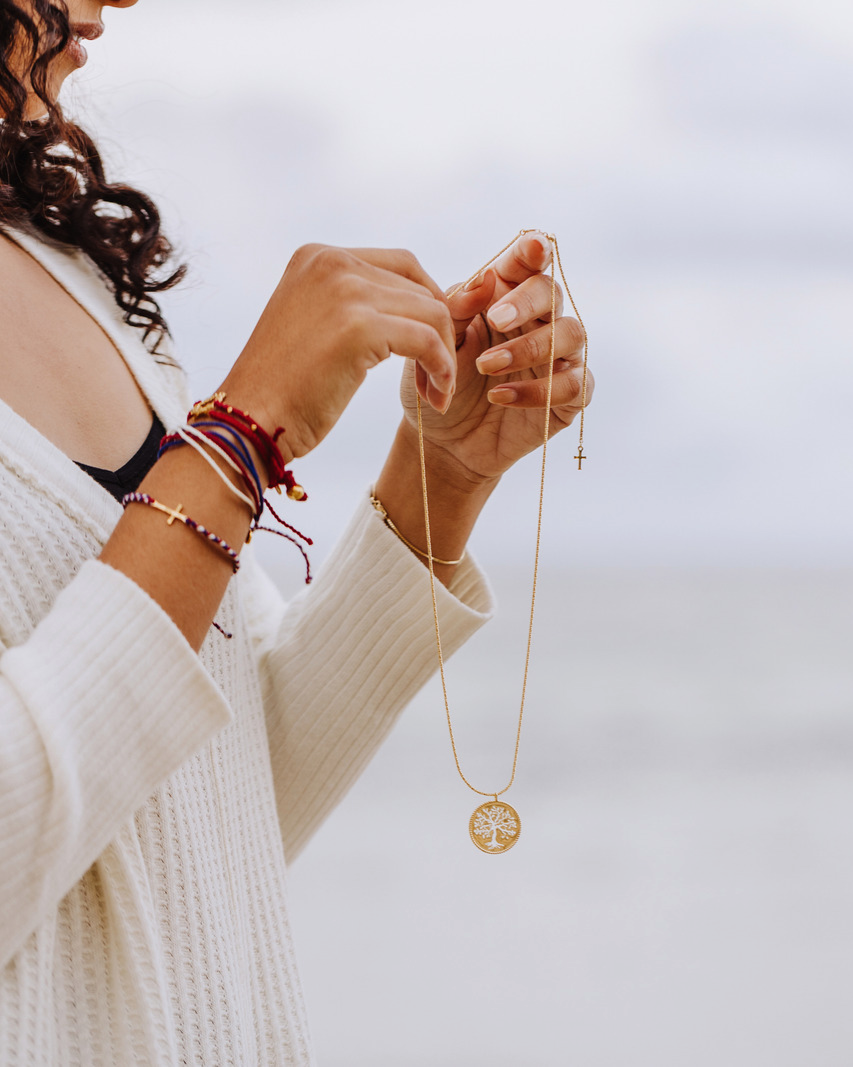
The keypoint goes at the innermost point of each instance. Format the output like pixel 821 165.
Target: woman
pixel 155 773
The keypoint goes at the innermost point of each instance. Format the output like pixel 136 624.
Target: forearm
pixel 184 573
pixel 455 500
pixel 345 657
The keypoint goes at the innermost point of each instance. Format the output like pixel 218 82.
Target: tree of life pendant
pixel 495 827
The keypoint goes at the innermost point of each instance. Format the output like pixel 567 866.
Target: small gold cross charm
pixel 174 514
pixel 580 457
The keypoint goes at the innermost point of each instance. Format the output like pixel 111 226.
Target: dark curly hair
pixel 52 179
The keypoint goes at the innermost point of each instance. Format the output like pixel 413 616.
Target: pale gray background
pixel 682 893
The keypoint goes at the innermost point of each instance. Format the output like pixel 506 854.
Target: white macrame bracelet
pixel 196 445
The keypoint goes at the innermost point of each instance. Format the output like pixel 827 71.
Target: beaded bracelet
pixel 380 507
pixel 176 515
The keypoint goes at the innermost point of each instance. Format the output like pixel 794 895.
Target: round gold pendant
pixel 495 827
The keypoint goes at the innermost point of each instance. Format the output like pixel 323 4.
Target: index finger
pixel 529 255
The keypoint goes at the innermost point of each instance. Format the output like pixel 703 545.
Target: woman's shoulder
pixel 56 306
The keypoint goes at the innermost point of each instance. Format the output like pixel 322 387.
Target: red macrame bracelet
pixel 265 444
pixel 229 443
pixel 229 454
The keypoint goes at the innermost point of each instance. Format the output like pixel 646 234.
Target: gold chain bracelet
pixel 387 520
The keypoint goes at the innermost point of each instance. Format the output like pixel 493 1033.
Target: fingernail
pixel 475 282
pixel 502 395
pixel 543 242
pixel 493 362
pixel 503 315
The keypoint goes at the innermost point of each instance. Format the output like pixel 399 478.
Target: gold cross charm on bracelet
pixel 175 514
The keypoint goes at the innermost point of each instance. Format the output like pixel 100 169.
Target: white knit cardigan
pixel 149 796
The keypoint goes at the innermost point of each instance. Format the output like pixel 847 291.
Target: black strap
pixel 128 477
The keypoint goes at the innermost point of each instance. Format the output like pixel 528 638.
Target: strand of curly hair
pixel 52 178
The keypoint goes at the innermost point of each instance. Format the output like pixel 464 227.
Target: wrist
pixel 264 441
pixel 445 473
pixel 240 393
pixel 455 501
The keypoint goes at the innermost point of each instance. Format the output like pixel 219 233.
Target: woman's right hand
pixel 335 314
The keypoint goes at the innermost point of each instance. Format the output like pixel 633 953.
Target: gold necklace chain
pixel 494 821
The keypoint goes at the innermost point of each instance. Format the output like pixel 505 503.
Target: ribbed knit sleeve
pixel 101 704
pixel 346 656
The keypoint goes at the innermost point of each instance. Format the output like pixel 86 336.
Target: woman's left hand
pixel 503 336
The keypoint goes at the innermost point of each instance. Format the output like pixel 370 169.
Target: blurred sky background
pixel 682 892
pixel 695 161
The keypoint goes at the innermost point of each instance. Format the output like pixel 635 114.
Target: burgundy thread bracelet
pixel 230 446
pixel 228 432
pixel 233 449
pixel 272 458
pixel 198 442
pixel 265 444
pixel 236 454
pixel 237 448
pixel 176 515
